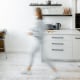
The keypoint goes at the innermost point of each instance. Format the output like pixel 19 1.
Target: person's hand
pixel 48 31
pixel 30 33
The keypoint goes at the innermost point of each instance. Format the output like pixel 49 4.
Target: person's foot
pixel 55 76
pixel 55 70
pixel 28 71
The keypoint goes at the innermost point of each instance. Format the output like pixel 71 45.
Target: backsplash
pixel 65 21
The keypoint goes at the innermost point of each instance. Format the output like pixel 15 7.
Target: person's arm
pixel 34 31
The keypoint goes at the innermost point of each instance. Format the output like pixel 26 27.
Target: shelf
pixel 55 15
pixel 45 5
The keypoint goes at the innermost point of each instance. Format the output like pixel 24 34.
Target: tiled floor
pixel 12 68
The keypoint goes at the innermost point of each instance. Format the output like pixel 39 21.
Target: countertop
pixel 63 32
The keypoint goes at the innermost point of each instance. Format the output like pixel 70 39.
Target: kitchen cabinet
pixel 58 47
pixel 62 45
pixel 76 47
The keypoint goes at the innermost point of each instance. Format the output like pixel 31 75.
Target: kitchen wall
pixel 78 6
pixel 17 17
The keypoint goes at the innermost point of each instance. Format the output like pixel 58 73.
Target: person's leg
pixel 56 74
pixel 33 54
pixel 51 65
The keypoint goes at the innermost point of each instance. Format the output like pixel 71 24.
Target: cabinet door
pixel 76 47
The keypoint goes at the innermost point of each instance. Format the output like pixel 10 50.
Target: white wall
pixel 16 16
pixel 78 6
pixel 65 21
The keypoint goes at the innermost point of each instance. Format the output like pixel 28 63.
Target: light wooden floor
pixel 12 68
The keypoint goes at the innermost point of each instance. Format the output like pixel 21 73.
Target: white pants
pixel 36 47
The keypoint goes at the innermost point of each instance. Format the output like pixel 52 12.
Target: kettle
pixel 58 26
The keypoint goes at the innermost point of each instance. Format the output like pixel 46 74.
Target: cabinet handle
pixel 57 37
pixel 57 43
pixel 57 49
pixel 77 38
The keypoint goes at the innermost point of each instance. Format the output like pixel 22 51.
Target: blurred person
pixel 38 32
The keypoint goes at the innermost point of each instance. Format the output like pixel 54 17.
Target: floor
pixel 12 68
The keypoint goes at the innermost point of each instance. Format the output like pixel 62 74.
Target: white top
pixel 38 29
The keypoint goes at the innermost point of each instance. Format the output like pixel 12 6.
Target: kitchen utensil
pixel 58 26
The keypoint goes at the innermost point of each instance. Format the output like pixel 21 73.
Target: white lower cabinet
pixel 58 47
pixel 62 47
pixel 76 47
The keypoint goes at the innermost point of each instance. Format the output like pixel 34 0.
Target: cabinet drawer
pixel 58 54
pixel 57 44
pixel 76 37
pixel 57 37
